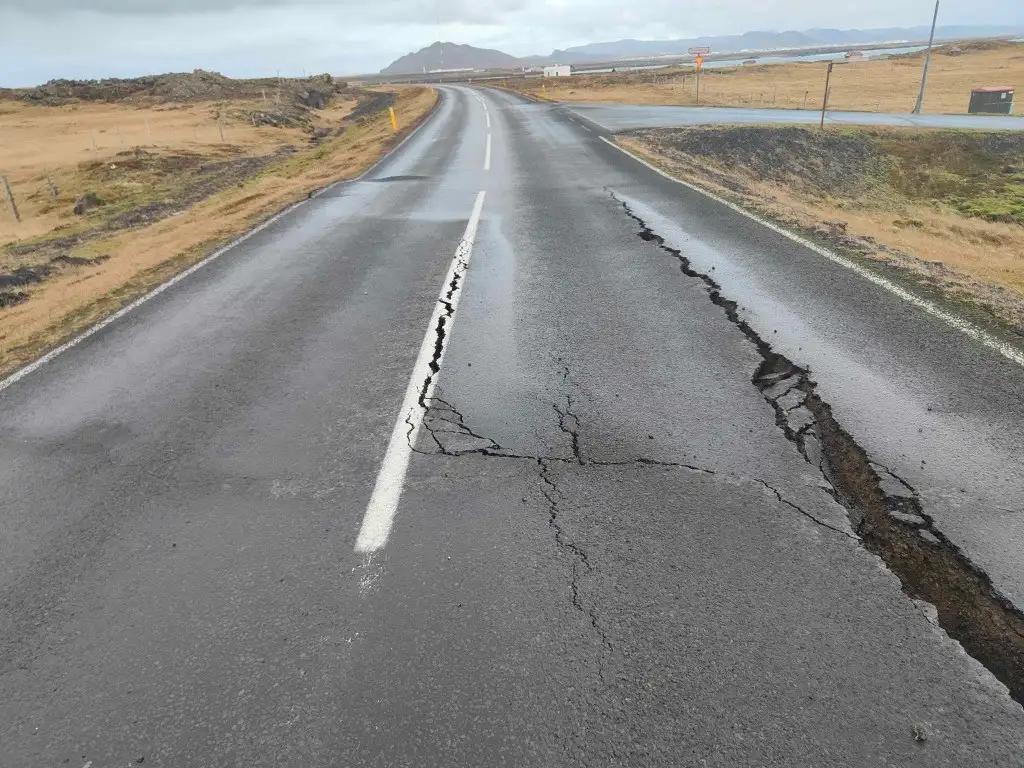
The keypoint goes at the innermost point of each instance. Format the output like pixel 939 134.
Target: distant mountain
pixel 440 56
pixel 764 41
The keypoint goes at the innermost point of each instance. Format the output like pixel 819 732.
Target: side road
pixel 624 117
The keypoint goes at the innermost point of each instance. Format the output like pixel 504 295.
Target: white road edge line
pixel 34 366
pixel 387 491
pixel 487 154
pixel 964 326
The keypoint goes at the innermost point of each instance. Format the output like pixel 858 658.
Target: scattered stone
pixel 812 449
pixel 23 276
pixel 10 298
pixel 928 536
pixel 929 610
pixel 86 203
pixel 791 399
pixel 891 486
pixel 907 517
pixel 314 99
pixel 779 387
pixel 799 418
pixel 918 731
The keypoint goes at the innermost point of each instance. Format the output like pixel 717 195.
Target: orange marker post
pixel 699 53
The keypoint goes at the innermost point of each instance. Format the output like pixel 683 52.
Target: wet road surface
pixel 624 117
pixel 601 547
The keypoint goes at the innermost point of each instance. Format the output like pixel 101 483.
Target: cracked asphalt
pixel 627 534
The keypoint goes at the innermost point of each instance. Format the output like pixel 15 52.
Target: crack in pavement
pixel 549 489
pixel 891 522
pixel 458 274
pixel 775 492
pixel 447 427
pixel 569 423
pixel 885 510
pixel 451 422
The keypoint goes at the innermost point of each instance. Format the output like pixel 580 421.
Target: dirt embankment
pixel 118 184
pixel 884 84
pixel 943 208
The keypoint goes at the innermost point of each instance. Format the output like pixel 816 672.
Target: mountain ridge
pixel 440 56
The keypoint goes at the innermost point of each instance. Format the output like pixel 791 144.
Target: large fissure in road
pixel 884 510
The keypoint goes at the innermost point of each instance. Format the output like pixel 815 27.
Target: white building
pixel 559 70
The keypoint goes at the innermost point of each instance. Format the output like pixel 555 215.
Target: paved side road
pixel 624 117
pixel 458 465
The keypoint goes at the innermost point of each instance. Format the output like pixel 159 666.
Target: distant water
pixel 870 53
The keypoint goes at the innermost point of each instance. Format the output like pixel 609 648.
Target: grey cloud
pixel 43 39
pixel 401 11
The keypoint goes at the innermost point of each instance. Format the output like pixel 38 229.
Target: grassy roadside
pixel 875 85
pixel 166 209
pixel 938 210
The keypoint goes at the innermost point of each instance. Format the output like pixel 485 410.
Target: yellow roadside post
pixel 698 65
pixel 394 119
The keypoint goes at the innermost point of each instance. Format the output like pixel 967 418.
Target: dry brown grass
pixel 135 260
pixel 51 143
pixel 888 85
pixel 966 257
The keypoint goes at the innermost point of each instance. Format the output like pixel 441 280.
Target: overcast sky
pixel 43 39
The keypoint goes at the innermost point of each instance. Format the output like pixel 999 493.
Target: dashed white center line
pixel 487 113
pixel 487 154
pixel 380 512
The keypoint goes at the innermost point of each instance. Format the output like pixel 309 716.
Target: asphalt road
pixel 220 549
pixel 624 117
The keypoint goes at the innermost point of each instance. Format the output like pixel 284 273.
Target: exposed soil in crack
pixel 884 510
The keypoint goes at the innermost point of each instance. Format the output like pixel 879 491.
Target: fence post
pixel 10 199
pixel 824 103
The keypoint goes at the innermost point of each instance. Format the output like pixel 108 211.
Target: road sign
pixel 699 62
pixel 703 50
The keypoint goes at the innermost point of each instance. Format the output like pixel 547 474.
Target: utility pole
pixel 824 101
pixel 927 61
